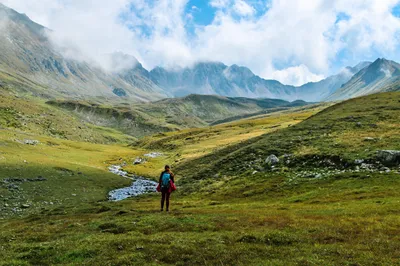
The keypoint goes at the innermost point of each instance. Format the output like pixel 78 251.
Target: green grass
pixel 282 227
pixel 337 133
pixel 31 115
pixel 222 213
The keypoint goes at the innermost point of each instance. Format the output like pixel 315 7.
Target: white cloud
pixel 93 28
pixel 219 3
pixel 297 75
pixel 242 8
pixel 301 38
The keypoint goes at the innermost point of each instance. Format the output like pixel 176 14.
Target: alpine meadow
pixel 277 121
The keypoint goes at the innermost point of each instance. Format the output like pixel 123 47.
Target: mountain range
pixel 27 54
pixel 380 76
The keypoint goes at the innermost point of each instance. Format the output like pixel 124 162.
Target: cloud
pixel 297 75
pixel 293 41
pixel 243 9
pixel 219 3
pixel 82 29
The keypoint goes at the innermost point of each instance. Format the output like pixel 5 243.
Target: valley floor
pixel 54 207
pixel 338 222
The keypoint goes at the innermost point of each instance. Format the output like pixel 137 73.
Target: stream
pixel 139 186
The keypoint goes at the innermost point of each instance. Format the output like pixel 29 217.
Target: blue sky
pixel 291 41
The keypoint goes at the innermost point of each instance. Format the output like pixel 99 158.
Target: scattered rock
pixel 22 180
pixel 25 206
pixel 139 161
pixel 366 166
pixel 255 172
pixel 272 160
pixel 153 154
pixel 358 161
pixel 389 157
pixel 31 142
pixel 369 139
pixel 358 124
pixel 12 187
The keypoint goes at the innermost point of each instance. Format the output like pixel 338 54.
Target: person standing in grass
pixel 166 186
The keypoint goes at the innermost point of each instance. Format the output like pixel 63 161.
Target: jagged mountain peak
pixel 379 68
pixel 359 66
pixel 237 73
pixel 373 78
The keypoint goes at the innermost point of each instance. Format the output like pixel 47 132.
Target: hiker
pixel 166 186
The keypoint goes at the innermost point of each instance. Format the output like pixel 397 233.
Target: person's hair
pixel 167 167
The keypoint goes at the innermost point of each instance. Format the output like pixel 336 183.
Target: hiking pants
pixel 165 197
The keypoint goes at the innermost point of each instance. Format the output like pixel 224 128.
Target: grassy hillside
pixel 211 108
pixel 32 116
pixel 124 119
pixel 194 143
pixel 337 136
pixel 230 208
pixel 167 115
pixel 71 166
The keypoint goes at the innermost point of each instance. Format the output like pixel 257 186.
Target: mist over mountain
pixel 26 50
pixel 28 53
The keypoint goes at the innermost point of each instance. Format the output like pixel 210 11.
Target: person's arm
pixel 172 177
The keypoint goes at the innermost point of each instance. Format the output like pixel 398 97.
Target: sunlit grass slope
pixel 31 115
pixel 223 213
pixel 77 171
pixel 355 129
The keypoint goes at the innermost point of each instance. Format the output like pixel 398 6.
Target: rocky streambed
pixel 139 186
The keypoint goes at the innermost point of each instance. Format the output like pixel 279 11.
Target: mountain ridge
pixel 375 78
pixel 239 81
pixel 26 51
